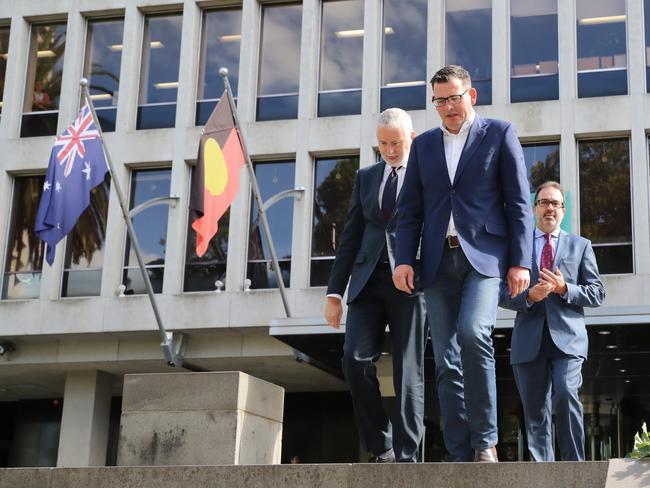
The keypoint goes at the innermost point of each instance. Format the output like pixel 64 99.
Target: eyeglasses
pixel 556 204
pixel 454 99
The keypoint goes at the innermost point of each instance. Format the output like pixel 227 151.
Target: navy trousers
pixel 378 305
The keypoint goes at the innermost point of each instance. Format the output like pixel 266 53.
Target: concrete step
pixel 618 473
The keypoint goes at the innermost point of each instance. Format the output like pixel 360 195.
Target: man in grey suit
pixel 363 257
pixel 549 340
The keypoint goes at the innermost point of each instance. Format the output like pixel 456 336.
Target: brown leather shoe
pixel 486 455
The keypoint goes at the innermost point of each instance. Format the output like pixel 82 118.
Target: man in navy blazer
pixel 466 196
pixel 549 339
pixel 363 256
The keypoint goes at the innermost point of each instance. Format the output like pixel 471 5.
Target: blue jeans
pixel 462 308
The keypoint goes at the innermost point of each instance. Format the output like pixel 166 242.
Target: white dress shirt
pixel 454 145
pixel 540 240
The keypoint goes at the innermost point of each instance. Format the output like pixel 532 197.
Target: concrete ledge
pixel 431 475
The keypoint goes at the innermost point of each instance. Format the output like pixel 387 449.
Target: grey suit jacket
pixel 577 262
pixel 364 236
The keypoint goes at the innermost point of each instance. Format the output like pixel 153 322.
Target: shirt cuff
pixel 334 295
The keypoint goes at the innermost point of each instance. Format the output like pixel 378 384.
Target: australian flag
pixel 77 165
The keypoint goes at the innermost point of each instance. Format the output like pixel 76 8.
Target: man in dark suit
pixel 466 197
pixel 549 340
pixel 364 257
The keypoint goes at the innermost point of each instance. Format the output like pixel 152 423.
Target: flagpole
pixel 223 72
pixel 172 349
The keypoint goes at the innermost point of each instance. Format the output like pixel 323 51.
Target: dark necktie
pixel 546 260
pixel 389 195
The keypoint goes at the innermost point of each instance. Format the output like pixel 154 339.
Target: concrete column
pixel 84 423
pixel 500 45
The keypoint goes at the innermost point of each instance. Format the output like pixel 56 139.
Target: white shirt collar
pixel 463 128
pixel 539 233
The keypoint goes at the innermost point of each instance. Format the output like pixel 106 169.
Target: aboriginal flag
pixel 216 178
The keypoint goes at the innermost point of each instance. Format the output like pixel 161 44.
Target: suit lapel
pixel 375 183
pixel 560 248
pixel 476 134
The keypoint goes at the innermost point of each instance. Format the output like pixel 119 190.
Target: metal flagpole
pixel 172 345
pixel 223 72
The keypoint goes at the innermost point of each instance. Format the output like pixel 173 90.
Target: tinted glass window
pixel 469 42
pixel 4 53
pixel 333 185
pixel 533 50
pixel 605 202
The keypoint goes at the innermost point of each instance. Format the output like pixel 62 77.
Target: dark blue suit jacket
pixel 566 319
pixel 363 237
pixel 489 198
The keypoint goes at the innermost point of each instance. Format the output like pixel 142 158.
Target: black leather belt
pixel 452 241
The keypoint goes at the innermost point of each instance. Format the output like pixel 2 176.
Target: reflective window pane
pixel 160 61
pixel 277 93
pixel 220 45
pixel 333 185
pixel 341 58
pixel 542 162
pixel 202 273
pixel 43 89
pixel 404 60
pixel 25 251
pixel 150 228
pixel 84 250
pixel 4 52
pixel 102 68
pixel 605 202
pixel 469 42
pixel 272 178
pixel 602 58
pixel 533 50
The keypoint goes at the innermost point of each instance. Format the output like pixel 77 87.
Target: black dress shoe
pixel 486 455
pixel 386 457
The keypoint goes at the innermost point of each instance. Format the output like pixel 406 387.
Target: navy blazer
pixel 489 198
pixel 566 319
pixel 364 235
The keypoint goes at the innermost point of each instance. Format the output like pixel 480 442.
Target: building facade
pixel 309 79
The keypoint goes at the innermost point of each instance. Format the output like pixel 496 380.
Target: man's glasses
pixel 454 99
pixel 556 204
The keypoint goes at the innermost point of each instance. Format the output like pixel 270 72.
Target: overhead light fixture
pixel 166 85
pixel 610 19
pixel 156 44
pixel 230 38
pixel 116 47
pixel 499 336
pixel 345 34
pixel 389 30
pixel 627 381
pixel 604 332
pixel 622 370
pixel 47 53
pixel 398 84
pixel 611 346
pixel 101 96
pixel 617 359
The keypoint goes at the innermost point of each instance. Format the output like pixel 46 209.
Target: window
pixel 84 249
pixel 4 53
pixel 533 50
pixel 646 13
pixel 605 202
pixel 341 58
pixel 219 48
pixel 202 273
pixel 25 251
pixel 469 42
pixel 277 94
pixel 403 73
pixel 102 68
pixel 602 59
pixel 44 73
pixel 333 185
pixel 272 178
pixel 160 61
pixel 542 162
pixel 150 228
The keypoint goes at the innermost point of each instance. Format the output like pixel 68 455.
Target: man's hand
pixel 554 280
pixel 539 292
pixel 403 278
pixel 333 312
pixel 518 280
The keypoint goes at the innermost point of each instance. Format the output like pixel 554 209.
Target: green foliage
pixel 641 444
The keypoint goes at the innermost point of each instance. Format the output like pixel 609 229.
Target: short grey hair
pixel 395 117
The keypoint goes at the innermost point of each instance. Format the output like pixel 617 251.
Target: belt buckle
pixel 450 244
